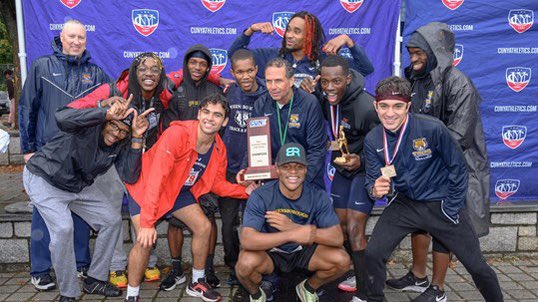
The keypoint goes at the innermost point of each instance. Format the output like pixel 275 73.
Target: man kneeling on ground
pixel 289 224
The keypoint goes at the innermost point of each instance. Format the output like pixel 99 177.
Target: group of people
pixel 174 147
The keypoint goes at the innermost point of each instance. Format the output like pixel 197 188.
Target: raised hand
pixel 119 110
pixel 263 27
pixel 140 123
pixel 334 45
pixel 309 84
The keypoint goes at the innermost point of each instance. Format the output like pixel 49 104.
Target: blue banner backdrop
pixel 119 30
pixel 497 47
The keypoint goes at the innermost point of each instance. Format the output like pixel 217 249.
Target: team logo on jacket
pixel 213 5
pixel 453 4
pixel 241 118
pixel 518 78
pixel 294 121
pixel 145 21
pixel 505 188
pixel 521 19
pixel 351 5
pixel 87 78
pixel 280 22
pixel 70 3
pixel 458 54
pixel 330 169
pixel 219 59
pixel 514 135
pixel 422 152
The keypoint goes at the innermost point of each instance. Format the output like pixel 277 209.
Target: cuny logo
pixel 220 59
pixel 453 4
pixel 518 78
pixel 458 54
pixel 280 22
pixel 213 5
pixel 70 3
pixel 351 5
pixel 505 188
pixel 145 21
pixel 521 19
pixel 514 135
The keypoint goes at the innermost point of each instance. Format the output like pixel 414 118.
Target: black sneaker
pixel 43 282
pixel 431 294
pixel 67 299
pixel 98 287
pixel 172 280
pixel 132 299
pixel 212 278
pixel 202 289
pixel 409 283
pixel 267 288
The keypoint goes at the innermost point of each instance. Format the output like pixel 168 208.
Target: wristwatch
pixel 137 140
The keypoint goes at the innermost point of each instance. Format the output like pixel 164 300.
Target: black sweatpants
pixel 404 216
pixel 229 211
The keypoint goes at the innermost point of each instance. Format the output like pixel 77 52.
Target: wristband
pixel 137 140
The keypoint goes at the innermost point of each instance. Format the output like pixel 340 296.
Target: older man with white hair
pixel 54 81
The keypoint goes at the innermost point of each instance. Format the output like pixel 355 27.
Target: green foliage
pixel 6 50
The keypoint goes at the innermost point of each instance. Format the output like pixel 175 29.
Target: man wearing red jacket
pixel 188 160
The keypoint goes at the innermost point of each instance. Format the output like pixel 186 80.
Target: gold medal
pixel 388 171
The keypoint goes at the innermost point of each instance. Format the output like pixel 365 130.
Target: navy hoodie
pixel 235 137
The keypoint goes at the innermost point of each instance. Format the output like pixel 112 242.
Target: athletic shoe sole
pixel 410 288
pixel 194 293
pixel 46 287
pixel 346 288
pixel 180 281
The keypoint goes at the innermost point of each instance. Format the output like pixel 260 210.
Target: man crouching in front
pixel 290 225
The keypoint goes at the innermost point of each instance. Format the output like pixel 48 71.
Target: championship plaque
pixel 259 150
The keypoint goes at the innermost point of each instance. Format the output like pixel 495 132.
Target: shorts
pixel 183 199
pixel 351 194
pixel 208 203
pixel 296 261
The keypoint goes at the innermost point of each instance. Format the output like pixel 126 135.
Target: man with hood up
pixel 443 91
pixel 347 105
pixel 54 81
pixel 184 106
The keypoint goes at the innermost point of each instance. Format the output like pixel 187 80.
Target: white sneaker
pixel 357 299
pixel 348 285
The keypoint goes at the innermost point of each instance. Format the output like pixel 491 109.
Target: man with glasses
pixel 59 180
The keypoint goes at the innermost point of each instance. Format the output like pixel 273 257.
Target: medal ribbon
pixel 388 160
pixel 335 120
pixel 283 137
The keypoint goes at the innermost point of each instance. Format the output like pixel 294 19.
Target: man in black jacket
pixel 59 179
pixel 349 108
pixel 443 91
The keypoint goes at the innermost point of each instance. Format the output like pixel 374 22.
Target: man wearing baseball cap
pixel 413 160
pixel 290 225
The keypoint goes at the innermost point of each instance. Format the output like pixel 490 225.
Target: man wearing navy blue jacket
pixel 295 117
pixel 302 46
pixel 413 161
pixel 241 97
pixel 53 82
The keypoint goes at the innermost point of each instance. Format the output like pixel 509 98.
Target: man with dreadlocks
pixel 302 46
pixel 146 81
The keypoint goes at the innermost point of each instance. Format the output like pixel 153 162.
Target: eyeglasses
pixel 116 128
pixel 153 70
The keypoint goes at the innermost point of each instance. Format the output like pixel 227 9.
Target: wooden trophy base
pixel 259 173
